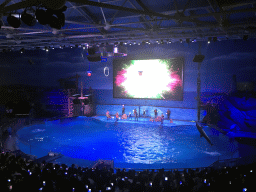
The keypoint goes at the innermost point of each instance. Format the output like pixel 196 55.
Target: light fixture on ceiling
pixel 107 26
pixel 13 21
pixel 55 31
pixel 194 40
pixel 42 16
pixel 209 40
pixel 181 41
pixel 245 37
pixel 28 19
pixel 9 36
pixel 22 50
pixel 55 18
pixel 57 21
pixel 115 50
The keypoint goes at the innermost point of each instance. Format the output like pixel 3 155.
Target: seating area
pixel 20 174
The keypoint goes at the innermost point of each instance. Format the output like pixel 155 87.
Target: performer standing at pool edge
pixel 135 114
pixel 123 110
pixel 155 111
pixel 117 116
pixel 168 114
pixel 162 118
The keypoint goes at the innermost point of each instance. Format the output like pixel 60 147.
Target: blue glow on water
pixel 125 143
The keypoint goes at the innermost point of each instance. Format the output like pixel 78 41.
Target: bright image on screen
pixel 148 79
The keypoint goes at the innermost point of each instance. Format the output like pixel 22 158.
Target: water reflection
pixel 122 142
pixel 148 145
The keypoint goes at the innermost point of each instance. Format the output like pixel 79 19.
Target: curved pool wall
pixel 130 144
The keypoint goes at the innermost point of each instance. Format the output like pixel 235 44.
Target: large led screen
pixel 148 79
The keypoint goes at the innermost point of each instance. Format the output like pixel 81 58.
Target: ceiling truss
pixel 139 24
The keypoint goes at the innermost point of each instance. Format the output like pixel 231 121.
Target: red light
pixel 89 73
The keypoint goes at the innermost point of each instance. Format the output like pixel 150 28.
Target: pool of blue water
pixel 130 145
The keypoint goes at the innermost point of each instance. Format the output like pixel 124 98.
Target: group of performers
pixel 136 116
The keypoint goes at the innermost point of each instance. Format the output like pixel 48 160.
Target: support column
pixel 198 59
pixel 198 91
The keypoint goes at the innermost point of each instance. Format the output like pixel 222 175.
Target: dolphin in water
pixel 38 130
pixel 202 133
pixel 215 153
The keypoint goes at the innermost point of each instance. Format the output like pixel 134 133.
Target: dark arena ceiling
pixel 60 23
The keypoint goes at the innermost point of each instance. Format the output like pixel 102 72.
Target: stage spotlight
pixel 214 39
pixel 194 40
pixel 43 16
pixel 46 49
pixel 245 37
pixel 28 19
pixel 13 21
pixel 162 42
pixel 181 41
pixel 57 21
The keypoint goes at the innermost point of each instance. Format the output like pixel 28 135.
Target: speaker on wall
pixel 198 58
pixel 94 58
